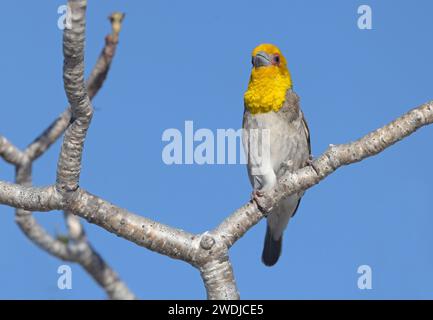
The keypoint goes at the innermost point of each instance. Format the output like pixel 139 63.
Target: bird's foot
pixel 263 202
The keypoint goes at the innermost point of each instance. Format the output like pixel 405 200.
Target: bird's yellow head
pixel 270 79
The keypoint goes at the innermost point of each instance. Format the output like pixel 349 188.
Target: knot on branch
pixel 207 242
pixel 210 247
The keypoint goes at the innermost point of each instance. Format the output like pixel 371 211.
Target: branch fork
pixel 209 251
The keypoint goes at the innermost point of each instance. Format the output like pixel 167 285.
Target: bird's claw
pixel 263 202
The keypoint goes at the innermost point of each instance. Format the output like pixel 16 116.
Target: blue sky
pixel 190 60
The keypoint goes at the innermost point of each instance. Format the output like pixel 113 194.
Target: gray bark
pixel 208 251
pixel 75 248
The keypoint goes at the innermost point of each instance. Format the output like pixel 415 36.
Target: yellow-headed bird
pixel 275 138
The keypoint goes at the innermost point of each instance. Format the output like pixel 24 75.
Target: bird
pixel 275 138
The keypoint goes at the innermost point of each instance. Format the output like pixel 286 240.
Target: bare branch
pixel 39 236
pixel 103 274
pixel 236 225
pixel 69 165
pixel 219 281
pixel 94 83
pixel 92 262
pixel 76 247
pixel 155 236
pixel 207 251
pixel 30 198
pixel 340 155
pixel 49 136
pixel 9 152
pixel 215 268
pixel 29 225
pixel 100 71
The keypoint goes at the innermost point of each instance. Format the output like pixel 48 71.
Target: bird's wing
pixel 293 113
pixel 307 133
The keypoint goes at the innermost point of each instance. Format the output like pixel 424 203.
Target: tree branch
pixel 84 254
pixel 49 136
pixel 29 198
pixel 219 281
pixel 340 155
pixel 100 71
pixel 155 236
pixel 94 83
pixel 30 227
pixel 9 152
pixel 69 165
pixel 237 224
pixel 208 252
pixel 76 247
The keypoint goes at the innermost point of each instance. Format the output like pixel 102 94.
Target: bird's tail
pixel 271 249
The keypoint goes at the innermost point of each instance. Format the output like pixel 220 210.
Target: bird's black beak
pixel 261 59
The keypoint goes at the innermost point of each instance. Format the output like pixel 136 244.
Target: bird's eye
pixel 277 59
